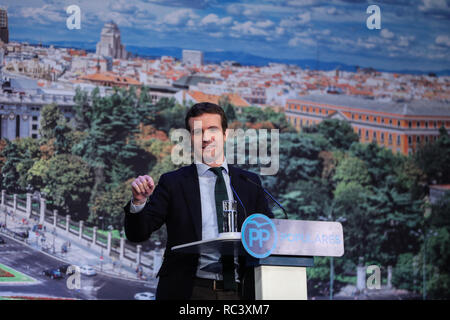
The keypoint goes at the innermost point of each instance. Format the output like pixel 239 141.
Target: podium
pixel 279 251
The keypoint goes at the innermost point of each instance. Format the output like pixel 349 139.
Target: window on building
pixel 398 140
pixel 409 124
pixel 359 117
pixel 435 124
pixel 409 140
pixel 353 116
pixel 418 124
pixel 359 132
pixel 374 119
pixel 426 124
pixel 34 136
pixel 367 134
pixel 382 137
pixel 34 127
pixel 390 122
pixel 374 135
pixel 390 138
pixel 418 139
pixel 426 139
pixel 17 126
pixel 326 111
pixel 35 118
pixel 398 123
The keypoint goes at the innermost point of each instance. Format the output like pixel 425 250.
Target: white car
pixel 144 296
pixel 88 271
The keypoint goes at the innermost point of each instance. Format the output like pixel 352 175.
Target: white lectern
pixel 288 247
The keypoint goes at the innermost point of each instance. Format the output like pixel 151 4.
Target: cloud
pixel 385 33
pixel 437 8
pixel 194 4
pixel 247 10
pixel 264 24
pixel 303 3
pixel 215 20
pixel 296 41
pixel 298 20
pixel 405 41
pixel 248 28
pixel 443 40
pixel 46 15
pixel 180 17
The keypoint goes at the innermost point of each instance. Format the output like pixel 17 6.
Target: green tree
pixel 228 108
pixel 68 183
pixel 146 108
pixel 29 152
pixel 434 159
pixel 169 115
pixel 109 205
pixel 51 116
pixel 10 175
pixel 339 133
pixel 83 108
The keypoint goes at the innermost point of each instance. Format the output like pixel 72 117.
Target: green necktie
pixel 220 193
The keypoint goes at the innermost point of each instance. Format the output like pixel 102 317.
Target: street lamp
pixel 101 246
pixel 54 236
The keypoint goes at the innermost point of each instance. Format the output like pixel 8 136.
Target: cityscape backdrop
pixel 363 116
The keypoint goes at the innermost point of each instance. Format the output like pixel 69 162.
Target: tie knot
pixel 216 170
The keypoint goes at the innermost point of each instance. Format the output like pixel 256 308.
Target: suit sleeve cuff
pixel 136 208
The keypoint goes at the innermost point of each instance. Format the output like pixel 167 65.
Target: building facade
pixel 4 31
pixel 20 114
pixel 193 57
pixel 110 44
pixel 400 126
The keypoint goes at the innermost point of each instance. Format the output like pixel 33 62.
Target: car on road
pixel 88 271
pixel 63 269
pixel 2 241
pixel 144 296
pixel 53 274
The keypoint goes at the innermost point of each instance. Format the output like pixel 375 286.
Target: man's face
pixel 208 138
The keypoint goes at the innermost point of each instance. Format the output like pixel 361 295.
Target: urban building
pixel 191 97
pixel 4 32
pixel 20 113
pixel 192 57
pixel 400 126
pixel 110 44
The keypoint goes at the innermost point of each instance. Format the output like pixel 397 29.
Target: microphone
pixel 267 192
pixel 235 193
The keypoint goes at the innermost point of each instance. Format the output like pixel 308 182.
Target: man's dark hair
pixel 206 107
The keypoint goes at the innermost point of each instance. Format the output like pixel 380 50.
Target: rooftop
pixel 413 107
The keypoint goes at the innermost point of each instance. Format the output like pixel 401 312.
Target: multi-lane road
pixel 32 263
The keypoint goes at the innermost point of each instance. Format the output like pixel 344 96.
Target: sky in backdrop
pixel 413 35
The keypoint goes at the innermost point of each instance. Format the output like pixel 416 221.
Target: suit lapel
pixel 191 191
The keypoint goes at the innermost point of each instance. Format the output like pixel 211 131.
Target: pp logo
pixel 259 235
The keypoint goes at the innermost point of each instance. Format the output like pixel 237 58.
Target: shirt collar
pixel 202 168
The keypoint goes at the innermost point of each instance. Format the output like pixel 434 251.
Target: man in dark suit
pixel 187 201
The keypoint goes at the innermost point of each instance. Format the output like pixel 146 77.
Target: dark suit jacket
pixel 176 202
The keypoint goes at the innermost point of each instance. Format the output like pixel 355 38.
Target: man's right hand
pixel 142 187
